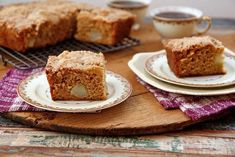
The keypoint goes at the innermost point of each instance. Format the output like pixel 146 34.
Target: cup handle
pixel 208 20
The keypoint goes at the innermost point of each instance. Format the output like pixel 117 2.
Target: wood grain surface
pixel 215 138
pixel 140 114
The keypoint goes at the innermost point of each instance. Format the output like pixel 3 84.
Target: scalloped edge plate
pixel 35 91
pixel 158 67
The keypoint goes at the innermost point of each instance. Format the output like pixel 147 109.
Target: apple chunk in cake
pixel 77 75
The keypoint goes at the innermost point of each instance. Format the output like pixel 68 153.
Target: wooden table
pixel 213 138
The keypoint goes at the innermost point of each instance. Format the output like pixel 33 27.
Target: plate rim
pixel 117 101
pixel 161 85
pixel 155 75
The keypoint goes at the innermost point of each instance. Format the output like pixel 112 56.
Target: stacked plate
pixel 152 67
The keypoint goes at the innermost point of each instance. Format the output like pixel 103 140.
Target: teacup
pixel 137 7
pixel 177 21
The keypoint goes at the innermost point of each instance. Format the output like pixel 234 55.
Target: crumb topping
pixel 187 42
pixel 76 60
pixel 23 16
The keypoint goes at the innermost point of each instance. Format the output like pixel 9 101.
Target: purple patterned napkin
pixel 9 100
pixel 196 107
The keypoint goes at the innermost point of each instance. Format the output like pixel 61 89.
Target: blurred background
pixel 214 8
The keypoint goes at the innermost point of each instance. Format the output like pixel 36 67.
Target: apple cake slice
pixel 77 75
pixel 195 56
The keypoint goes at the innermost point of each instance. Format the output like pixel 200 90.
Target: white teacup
pixel 177 21
pixel 137 7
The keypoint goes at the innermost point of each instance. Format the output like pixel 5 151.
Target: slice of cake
pixel 103 25
pixel 195 56
pixel 77 75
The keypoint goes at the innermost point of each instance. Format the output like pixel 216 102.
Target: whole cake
pixel 77 75
pixel 195 56
pixel 47 22
pixel 37 24
pixel 103 25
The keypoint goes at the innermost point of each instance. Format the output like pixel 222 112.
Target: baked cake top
pixel 23 16
pixel 76 60
pixel 108 14
pixel 189 42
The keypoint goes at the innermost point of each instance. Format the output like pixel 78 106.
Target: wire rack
pixel 38 57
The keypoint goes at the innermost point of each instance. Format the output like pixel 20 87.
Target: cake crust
pixel 195 56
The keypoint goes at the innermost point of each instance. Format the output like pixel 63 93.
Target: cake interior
pixel 79 85
pixel 201 61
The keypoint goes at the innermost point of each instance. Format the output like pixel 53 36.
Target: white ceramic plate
pixel 158 67
pixel 137 65
pixel 35 91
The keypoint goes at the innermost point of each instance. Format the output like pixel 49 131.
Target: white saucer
pixel 158 67
pixel 137 65
pixel 35 91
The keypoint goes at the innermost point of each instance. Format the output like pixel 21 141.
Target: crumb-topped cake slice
pixel 104 25
pixel 195 56
pixel 77 75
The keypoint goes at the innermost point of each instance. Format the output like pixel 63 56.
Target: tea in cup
pixel 177 22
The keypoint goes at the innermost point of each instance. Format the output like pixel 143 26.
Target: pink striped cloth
pixel 9 100
pixel 196 107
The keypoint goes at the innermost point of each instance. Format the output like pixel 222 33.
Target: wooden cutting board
pixel 140 114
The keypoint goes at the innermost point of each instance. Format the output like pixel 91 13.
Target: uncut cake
pixel 77 75
pixel 195 56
